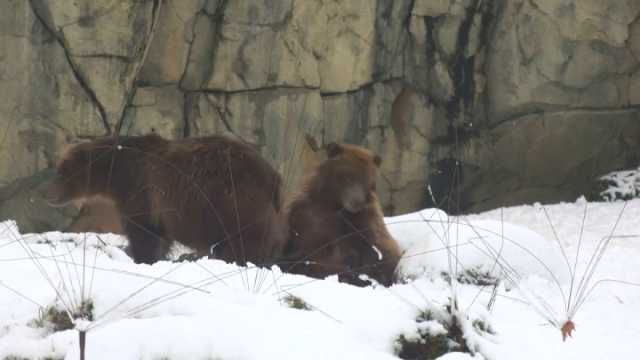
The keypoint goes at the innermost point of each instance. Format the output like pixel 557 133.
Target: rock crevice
pixel 59 36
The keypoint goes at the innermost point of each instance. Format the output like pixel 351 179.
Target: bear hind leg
pixel 146 243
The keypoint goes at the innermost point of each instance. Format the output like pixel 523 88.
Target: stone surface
pixel 246 45
pixel 556 53
pixel 169 49
pixel 42 105
pixel 23 201
pixel 634 38
pixel 105 42
pixel 547 156
pixel 432 8
pixel 348 59
pixel 634 88
pixel 157 110
pixel 496 102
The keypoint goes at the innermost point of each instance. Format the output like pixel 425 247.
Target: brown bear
pixel 336 223
pixel 214 194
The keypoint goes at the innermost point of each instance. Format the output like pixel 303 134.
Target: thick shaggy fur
pixel 99 215
pixel 213 194
pixel 336 222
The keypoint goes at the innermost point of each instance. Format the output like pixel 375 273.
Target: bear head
pixel 83 171
pixel 350 174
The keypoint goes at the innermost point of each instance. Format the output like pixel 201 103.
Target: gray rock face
pixel 557 55
pixel 23 201
pixel 155 109
pixel 547 156
pixel 472 104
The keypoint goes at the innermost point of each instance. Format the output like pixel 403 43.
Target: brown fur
pixel 336 220
pixel 97 215
pixel 213 194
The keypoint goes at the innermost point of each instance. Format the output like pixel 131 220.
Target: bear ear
pixel 377 160
pixel 334 149
pixel 311 141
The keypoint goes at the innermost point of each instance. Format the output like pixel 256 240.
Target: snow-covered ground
pixel 212 310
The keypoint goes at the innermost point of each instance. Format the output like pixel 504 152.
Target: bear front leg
pixel 146 244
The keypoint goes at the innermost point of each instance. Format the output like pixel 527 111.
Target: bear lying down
pixel 213 194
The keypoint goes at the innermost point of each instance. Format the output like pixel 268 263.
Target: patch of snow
pixel 486 246
pixel 622 185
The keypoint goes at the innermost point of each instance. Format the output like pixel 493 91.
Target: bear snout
pixel 354 199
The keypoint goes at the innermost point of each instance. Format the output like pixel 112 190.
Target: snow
pixel 425 235
pixel 621 185
pixel 209 309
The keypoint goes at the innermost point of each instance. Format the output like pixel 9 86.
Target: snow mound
pixel 434 242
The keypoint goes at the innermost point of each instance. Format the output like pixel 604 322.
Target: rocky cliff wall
pixel 471 103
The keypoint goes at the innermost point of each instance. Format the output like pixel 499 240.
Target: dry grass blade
pixel 557 238
pixel 20 294
pixel 593 264
pixel 138 291
pixel 575 264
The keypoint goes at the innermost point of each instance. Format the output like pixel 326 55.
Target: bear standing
pixel 336 224
pixel 214 194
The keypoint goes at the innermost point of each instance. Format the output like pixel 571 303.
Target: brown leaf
pixel 566 329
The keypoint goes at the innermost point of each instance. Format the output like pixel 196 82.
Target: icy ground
pixel 212 310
